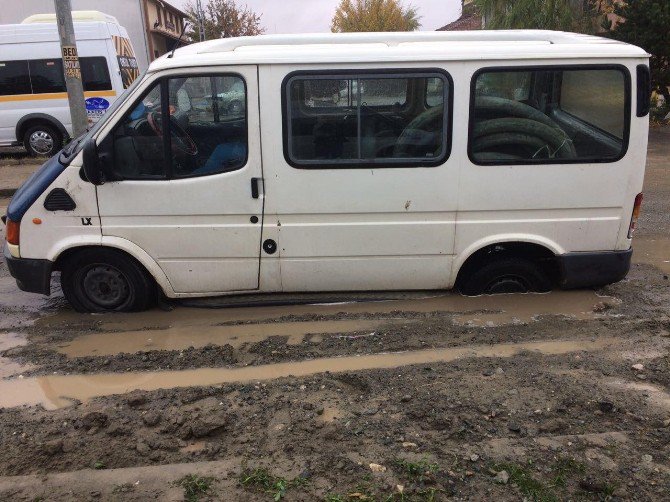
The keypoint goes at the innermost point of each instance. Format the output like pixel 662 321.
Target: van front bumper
pixel 33 276
pixel 581 270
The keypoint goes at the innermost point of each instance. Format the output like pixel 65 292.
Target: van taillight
pixel 13 232
pixel 636 214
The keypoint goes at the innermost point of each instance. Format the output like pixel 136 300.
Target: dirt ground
pixel 421 396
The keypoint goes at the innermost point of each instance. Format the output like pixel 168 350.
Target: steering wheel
pixel 181 141
pixel 421 136
pixel 521 132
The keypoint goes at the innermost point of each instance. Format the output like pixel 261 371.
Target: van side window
pixel 205 131
pixel 138 145
pixel 14 78
pixel 549 115
pixel 208 121
pixel 358 120
pixel 46 75
pixel 95 74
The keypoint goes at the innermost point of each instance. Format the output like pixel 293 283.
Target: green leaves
pixel 374 15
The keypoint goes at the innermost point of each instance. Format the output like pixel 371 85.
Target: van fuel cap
pixel 269 246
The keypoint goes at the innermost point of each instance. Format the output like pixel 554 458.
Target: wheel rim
pixel 42 142
pixel 106 286
pixel 507 284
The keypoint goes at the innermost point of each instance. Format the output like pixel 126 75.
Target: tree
pixel 225 19
pixel 645 23
pixel 566 15
pixel 374 15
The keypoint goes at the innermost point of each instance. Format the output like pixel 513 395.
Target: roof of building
pixel 398 47
pixel 469 20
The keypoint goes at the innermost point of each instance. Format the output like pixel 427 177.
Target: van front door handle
pixel 254 187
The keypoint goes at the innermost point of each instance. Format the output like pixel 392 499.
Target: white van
pixel 490 161
pixel 34 109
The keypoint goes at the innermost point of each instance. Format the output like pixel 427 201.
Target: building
pixel 470 19
pixel 154 26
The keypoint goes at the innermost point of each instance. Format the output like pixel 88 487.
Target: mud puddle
pixel 654 252
pixel 498 309
pixel 9 367
pixel 182 337
pixel 57 391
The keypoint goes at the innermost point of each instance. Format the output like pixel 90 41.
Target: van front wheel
pixel 42 139
pixel 506 275
pixel 106 280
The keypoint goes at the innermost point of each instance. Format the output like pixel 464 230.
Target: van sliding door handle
pixel 254 187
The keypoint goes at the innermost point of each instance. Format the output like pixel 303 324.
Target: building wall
pixel 127 12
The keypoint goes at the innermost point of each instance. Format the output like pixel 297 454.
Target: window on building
pixel 550 115
pixel 14 78
pixel 366 119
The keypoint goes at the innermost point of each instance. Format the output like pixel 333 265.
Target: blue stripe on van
pixel 34 187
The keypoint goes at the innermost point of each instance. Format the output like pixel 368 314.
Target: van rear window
pixel 549 115
pixel 394 119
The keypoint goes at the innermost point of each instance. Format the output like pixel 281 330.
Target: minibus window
pixel 549 115
pixel 95 74
pixel 138 142
pixel 14 78
pixel 208 122
pixel 596 97
pixel 356 120
pixel 46 75
pixel 183 127
pixel 434 92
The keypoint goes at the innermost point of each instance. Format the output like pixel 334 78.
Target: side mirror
pixel 92 166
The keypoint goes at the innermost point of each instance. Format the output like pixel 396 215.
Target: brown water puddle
pixel 496 309
pixel 182 337
pixel 8 367
pixel 654 252
pixel 56 391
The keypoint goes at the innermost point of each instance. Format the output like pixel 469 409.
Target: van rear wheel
pixel 42 139
pixel 506 275
pixel 106 280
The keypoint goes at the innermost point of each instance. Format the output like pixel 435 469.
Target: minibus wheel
pixel 106 280
pixel 42 139
pixel 506 275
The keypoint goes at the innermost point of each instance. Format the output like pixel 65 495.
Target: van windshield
pixel 74 147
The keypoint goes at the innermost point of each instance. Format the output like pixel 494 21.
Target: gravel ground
pixel 497 405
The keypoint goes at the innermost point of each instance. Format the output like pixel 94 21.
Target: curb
pixel 7 192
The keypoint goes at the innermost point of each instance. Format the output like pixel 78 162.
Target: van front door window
pixel 206 129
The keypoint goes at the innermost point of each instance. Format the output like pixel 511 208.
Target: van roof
pixel 77 16
pixel 398 47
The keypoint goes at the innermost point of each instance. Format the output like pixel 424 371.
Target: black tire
pixel 506 275
pixel 42 139
pixel 106 280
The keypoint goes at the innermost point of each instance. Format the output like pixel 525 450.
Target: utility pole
pixel 199 11
pixel 71 67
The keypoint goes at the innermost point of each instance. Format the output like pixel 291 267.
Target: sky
pixel 306 16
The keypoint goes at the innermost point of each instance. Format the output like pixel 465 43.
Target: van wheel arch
pixel 140 279
pixel 36 119
pixel 536 263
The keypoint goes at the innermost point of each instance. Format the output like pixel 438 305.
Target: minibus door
pixel 192 200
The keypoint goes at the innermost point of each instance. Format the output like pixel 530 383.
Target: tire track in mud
pixel 57 391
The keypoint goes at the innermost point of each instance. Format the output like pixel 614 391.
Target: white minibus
pixel 34 109
pixel 493 162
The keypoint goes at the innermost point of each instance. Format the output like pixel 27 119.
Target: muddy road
pixel 400 396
